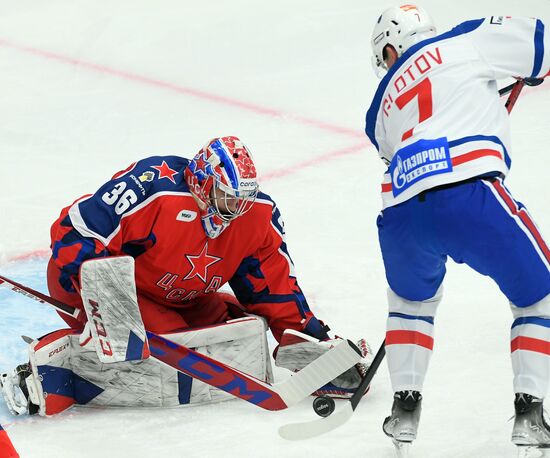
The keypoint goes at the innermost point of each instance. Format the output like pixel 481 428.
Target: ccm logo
pixel 100 328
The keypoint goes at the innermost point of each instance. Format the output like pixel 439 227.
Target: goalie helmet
pixel 222 179
pixel 399 26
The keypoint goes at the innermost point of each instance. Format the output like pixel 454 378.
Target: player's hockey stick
pixel 514 94
pixel 276 396
pixel 314 428
pixel 506 89
pixel 514 90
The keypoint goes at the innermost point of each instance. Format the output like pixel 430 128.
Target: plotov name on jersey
pixel 417 161
pixel 409 75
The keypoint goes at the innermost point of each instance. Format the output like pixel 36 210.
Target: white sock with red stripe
pixel 409 340
pixel 530 347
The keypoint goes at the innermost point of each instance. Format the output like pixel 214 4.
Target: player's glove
pixel 296 350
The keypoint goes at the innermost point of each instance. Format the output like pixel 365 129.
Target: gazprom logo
pixel 398 177
pixel 418 161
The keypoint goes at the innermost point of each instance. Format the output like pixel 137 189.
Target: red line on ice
pixel 264 111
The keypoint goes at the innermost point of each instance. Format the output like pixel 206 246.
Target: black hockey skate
pixel 402 424
pixel 531 433
pixel 15 391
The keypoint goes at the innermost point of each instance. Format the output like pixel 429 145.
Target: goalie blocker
pixel 62 373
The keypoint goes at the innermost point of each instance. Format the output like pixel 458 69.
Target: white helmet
pixel 399 26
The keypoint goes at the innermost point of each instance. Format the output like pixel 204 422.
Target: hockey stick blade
pixel 314 428
pixel 319 426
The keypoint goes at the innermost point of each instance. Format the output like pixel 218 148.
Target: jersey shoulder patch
pixel 132 189
pixel 157 174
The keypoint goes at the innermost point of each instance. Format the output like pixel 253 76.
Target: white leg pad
pixel 67 373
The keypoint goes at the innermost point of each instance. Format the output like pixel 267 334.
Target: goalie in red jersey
pixel 191 226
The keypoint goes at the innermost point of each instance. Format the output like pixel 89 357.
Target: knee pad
pixel 540 308
pixel 428 307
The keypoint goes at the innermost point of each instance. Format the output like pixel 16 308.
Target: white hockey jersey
pixel 436 117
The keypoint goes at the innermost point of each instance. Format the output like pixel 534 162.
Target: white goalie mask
pixel 399 26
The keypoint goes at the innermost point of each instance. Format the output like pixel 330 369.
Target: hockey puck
pixel 323 406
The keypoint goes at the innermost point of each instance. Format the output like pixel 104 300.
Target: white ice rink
pixel 87 87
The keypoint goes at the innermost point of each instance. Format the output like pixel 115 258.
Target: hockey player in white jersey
pixel 437 122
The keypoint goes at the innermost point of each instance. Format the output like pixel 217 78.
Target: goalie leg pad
pixel 63 373
pixel 110 301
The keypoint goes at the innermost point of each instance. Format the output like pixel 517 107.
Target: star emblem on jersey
pixel 200 264
pixel 165 171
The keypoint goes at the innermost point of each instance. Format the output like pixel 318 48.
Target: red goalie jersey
pixel 149 213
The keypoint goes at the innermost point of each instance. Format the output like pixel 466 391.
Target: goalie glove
pixel 296 350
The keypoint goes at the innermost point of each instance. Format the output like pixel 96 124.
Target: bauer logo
pixel 418 161
pixel 186 216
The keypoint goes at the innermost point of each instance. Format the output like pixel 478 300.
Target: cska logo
pixel 165 171
pixel 200 264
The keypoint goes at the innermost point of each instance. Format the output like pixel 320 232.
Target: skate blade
pixel 401 448
pixel 532 451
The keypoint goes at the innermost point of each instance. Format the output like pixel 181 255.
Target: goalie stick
pixel 275 396
pixel 314 428
pixel 39 297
